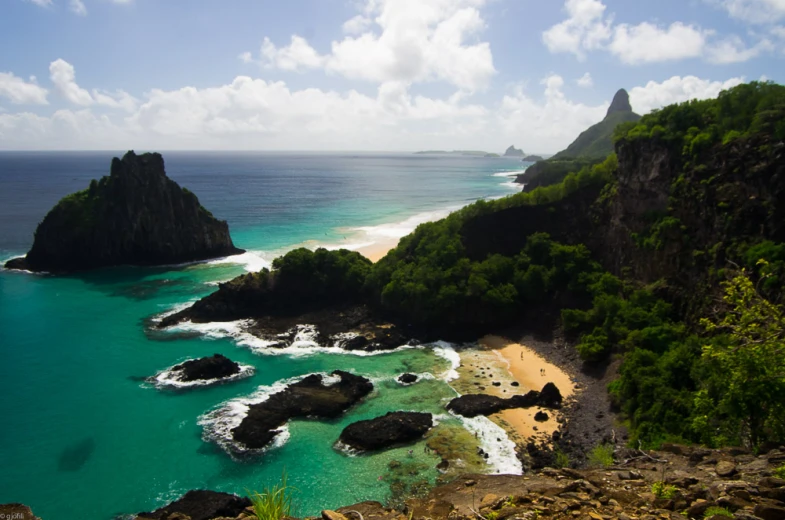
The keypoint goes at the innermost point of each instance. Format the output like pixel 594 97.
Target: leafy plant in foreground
pixel 273 503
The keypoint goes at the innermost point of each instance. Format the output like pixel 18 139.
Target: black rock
pixel 135 216
pixel 472 405
pixel 541 416
pixel 202 505
pixel 388 430
pixel 214 367
pixel 407 379
pixel 309 397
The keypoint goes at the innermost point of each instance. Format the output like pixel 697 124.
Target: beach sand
pixel 499 360
pixel 377 250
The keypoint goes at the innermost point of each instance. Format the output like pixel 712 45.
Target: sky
pixel 362 75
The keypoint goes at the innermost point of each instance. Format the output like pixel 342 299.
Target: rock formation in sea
pixel 407 379
pixel 134 216
pixel 388 430
pixel 201 505
pixel 533 158
pixel 472 405
pixel 310 397
pixel 210 370
pixel 513 152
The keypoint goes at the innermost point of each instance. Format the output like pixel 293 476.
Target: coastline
pixel 502 367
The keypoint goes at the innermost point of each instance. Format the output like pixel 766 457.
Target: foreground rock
pixel 472 405
pixel 135 216
pixel 201 505
pixel 389 430
pixel 310 397
pixel 16 512
pixel 623 491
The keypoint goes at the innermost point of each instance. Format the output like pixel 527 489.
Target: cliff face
pixel 135 216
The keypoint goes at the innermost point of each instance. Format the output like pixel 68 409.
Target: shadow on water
pixel 73 457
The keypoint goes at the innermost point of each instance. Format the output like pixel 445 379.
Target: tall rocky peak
pixel 620 103
pixel 135 216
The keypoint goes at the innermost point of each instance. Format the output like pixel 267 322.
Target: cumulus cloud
pixel 588 28
pixel 78 7
pixel 584 29
pixel 408 41
pixel 21 92
pixel 63 75
pixel 753 11
pixel 676 90
pixel 585 81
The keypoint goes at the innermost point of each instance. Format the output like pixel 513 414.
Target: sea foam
pixel 494 441
pixel 170 378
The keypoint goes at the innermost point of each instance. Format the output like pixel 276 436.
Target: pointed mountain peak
pixel 620 103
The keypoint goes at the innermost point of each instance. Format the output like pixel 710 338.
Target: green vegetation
pixel 560 459
pixel 601 456
pixel 597 141
pixel 695 126
pixel 662 490
pixel 79 209
pixel 717 511
pixel 780 472
pixel 275 502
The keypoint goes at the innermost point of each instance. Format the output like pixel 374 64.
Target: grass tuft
pixel 273 503
pixel 601 456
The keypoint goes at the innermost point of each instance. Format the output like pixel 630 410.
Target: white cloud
pixel 754 11
pixel 412 41
pixel 648 43
pixel 21 92
pixel 734 50
pixel 297 55
pixel 78 7
pixel 42 3
pixel 587 28
pixel 676 90
pixel 585 81
pixel 63 75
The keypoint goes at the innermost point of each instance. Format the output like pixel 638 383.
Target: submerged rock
pixel 134 216
pixel 388 430
pixel 472 405
pixel 202 505
pixel 310 397
pixel 213 367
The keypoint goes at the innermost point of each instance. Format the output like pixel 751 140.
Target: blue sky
pixel 361 74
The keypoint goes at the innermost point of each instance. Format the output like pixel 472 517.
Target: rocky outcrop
pixel 675 483
pixel 472 405
pixel 213 367
pixel 389 430
pixel 310 397
pixel 620 103
pixel 134 216
pixel 201 505
pixel 513 152
pixel 532 158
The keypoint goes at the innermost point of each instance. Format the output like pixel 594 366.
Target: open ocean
pixel 83 437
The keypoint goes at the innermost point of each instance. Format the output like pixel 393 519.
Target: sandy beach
pixel 495 366
pixel 377 250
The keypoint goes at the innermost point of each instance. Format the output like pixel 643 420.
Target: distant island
pixel 533 158
pixel 513 152
pixel 473 153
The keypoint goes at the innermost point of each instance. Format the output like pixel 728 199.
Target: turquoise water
pixel 85 437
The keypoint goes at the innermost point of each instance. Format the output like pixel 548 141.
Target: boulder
pixel 541 416
pixel 382 432
pixel 725 468
pixel 213 367
pixel 472 405
pixel 135 216
pixel 769 512
pixel 309 397
pixel 407 379
pixel 202 505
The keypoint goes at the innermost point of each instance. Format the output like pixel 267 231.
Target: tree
pixel 743 399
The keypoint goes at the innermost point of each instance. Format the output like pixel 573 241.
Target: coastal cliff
pixel 134 216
